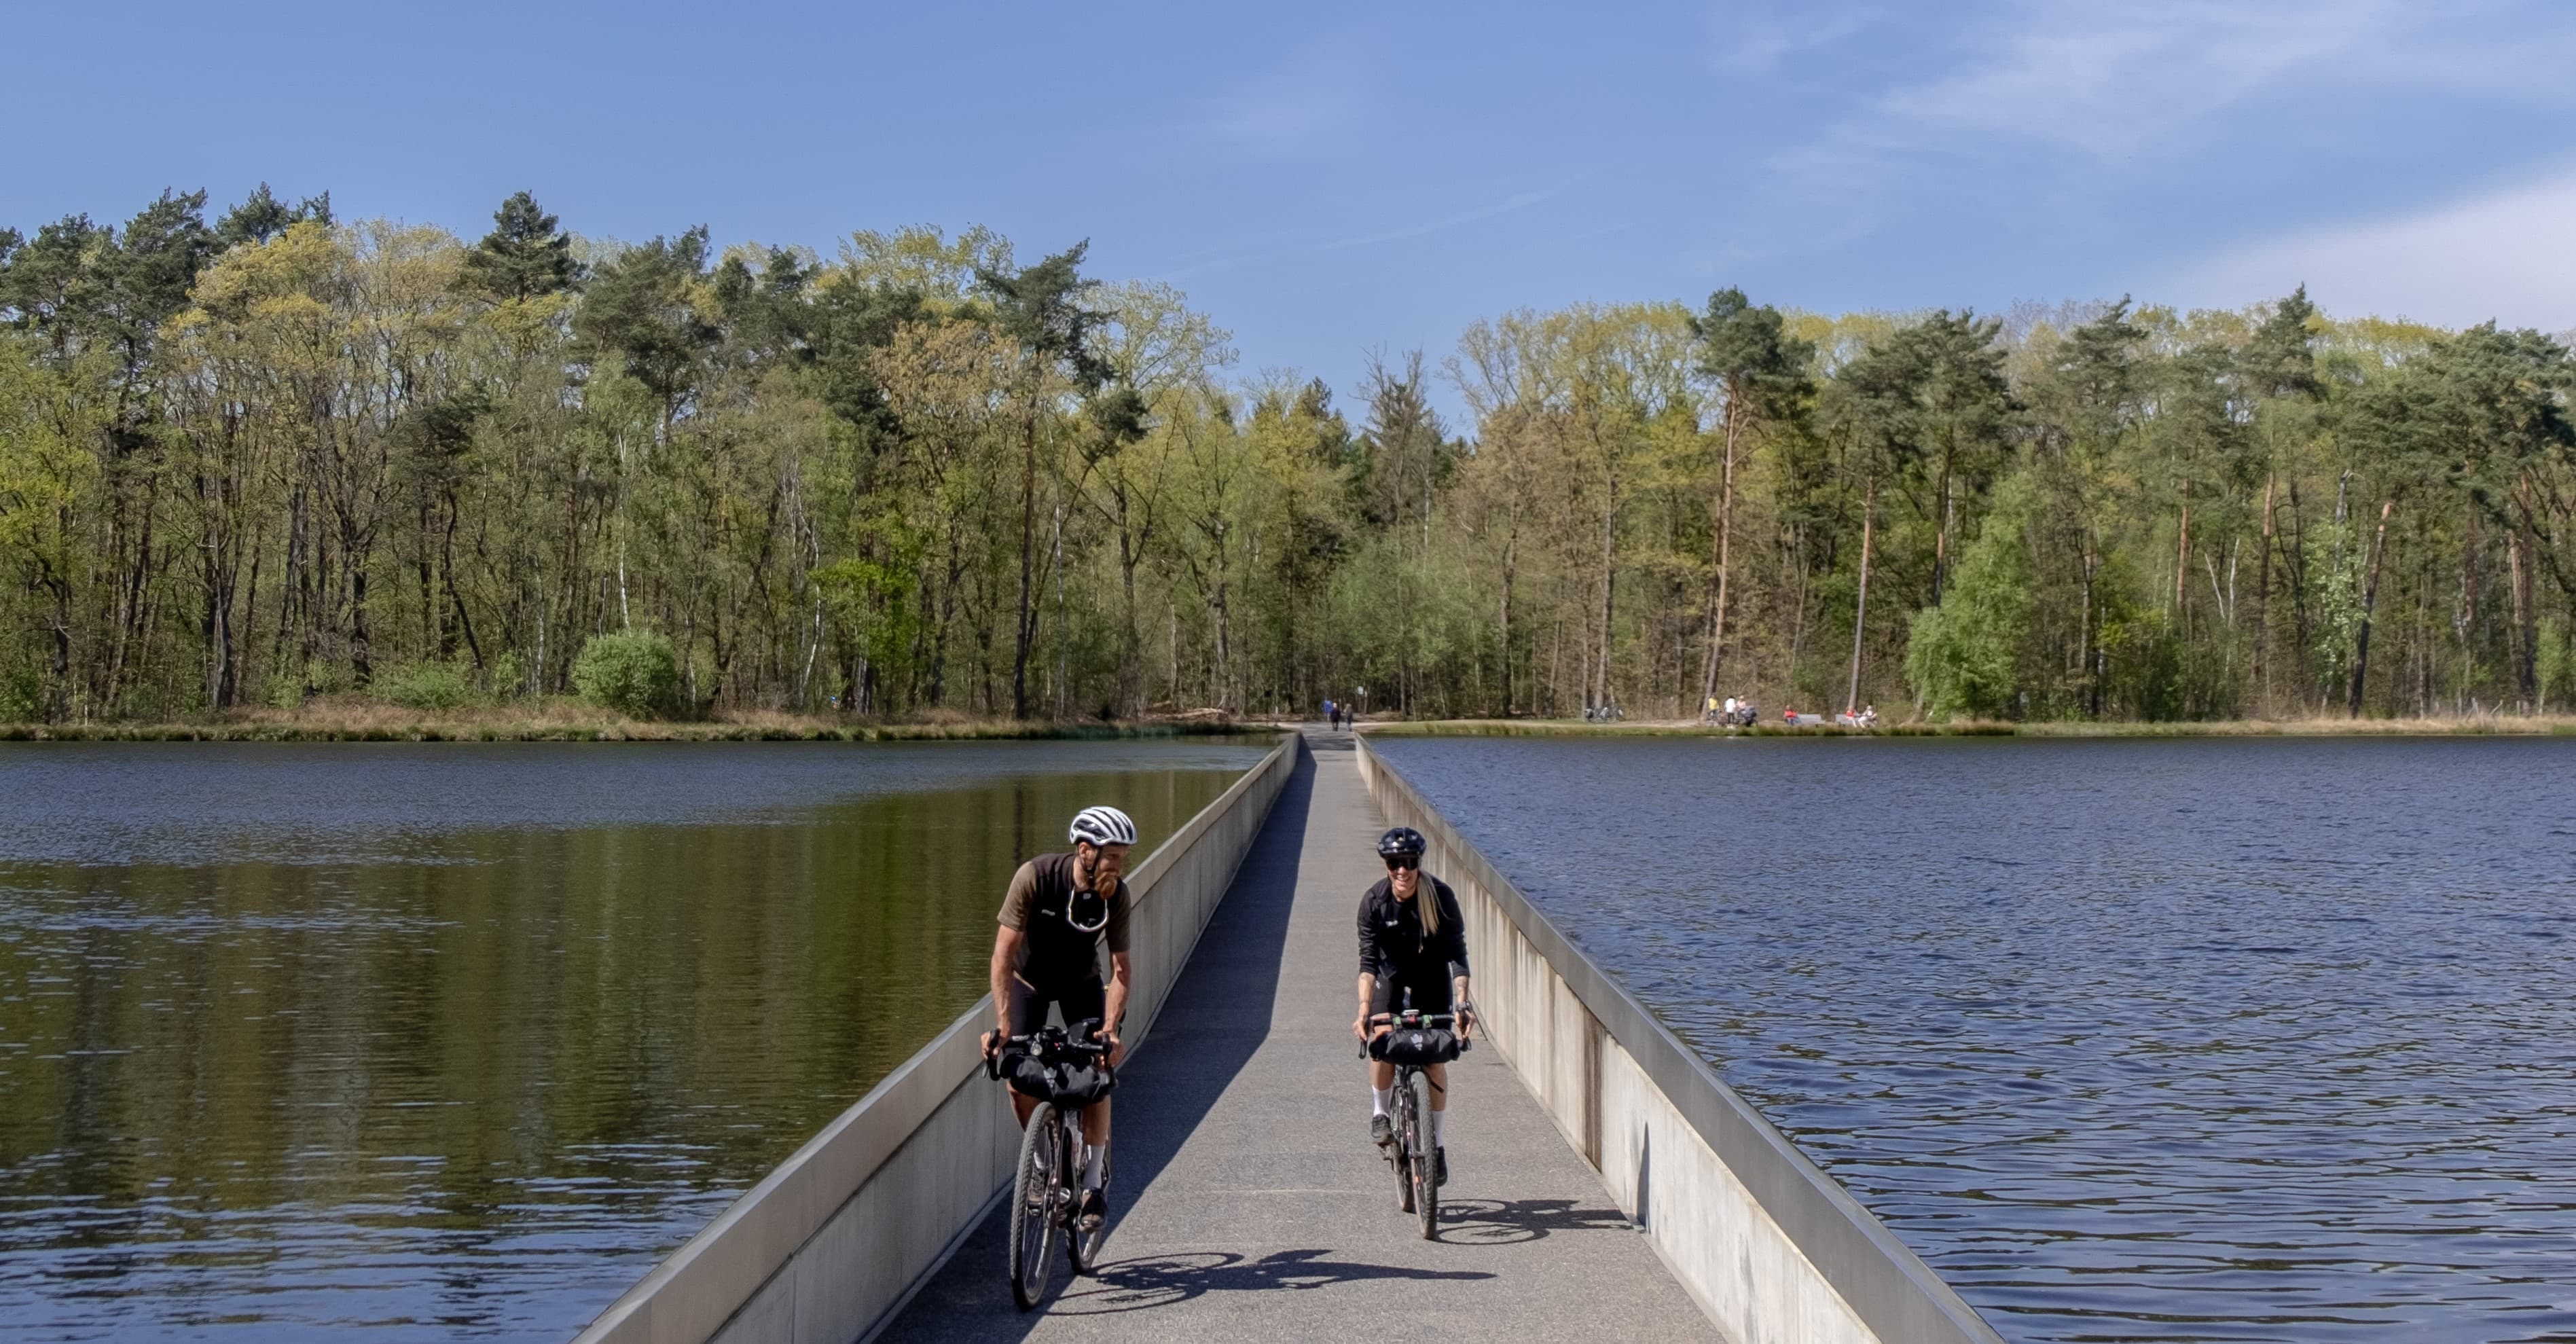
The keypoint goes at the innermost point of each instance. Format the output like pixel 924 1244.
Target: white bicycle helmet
pixel 1103 826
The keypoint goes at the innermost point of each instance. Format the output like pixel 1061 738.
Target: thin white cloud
pixel 1516 201
pixel 2096 83
pixel 1756 43
pixel 1307 106
pixel 2112 79
pixel 2503 254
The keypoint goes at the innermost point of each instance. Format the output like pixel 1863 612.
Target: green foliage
pixel 508 680
pixel 525 256
pixel 262 216
pixel 424 686
pixel 2555 657
pixel 2336 556
pixel 269 457
pixel 635 672
pixel 1760 369
pixel 22 696
pixel 1964 654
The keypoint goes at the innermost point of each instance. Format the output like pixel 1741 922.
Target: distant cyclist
pixel 1060 909
pixel 1413 954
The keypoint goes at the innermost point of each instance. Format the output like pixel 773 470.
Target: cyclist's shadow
pixel 1163 1280
pixel 1504 1222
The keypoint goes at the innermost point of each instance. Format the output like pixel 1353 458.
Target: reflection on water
pixel 2195 1040
pixel 454 1040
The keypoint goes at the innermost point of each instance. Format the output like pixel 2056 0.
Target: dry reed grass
pixel 562 719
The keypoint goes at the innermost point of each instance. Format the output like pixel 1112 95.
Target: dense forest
pixel 261 456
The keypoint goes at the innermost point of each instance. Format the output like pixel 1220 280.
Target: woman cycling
pixel 1413 954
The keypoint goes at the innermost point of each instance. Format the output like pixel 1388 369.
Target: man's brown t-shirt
pixel 1052 948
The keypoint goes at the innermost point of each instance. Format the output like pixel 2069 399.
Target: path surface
pixel 1249 1205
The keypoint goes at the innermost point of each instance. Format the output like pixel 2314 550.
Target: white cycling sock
pixel 1091 1155
pixel 1384 1097
pixel 1439 1126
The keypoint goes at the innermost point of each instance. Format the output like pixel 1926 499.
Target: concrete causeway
pixel 1248 1202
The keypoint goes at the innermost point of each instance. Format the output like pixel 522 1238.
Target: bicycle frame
pixel 1412 1155
pixel 1044 1188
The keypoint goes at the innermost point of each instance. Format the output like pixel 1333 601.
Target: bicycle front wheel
pixel 1425 1170
pixel 1407 1137
pixel 1080 1247
pixel 1035 1191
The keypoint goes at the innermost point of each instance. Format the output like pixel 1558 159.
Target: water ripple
pixel 2198 1040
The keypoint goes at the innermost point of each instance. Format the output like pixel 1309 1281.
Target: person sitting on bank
pixel 1413 954
pixel 1060 911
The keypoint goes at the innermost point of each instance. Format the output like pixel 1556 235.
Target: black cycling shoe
pixel 1092 1212
pixel 1439 1166
pixel 1381 1130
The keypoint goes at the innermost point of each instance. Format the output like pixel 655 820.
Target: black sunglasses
pixel 1402 861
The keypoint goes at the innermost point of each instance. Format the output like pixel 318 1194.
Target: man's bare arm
pixel 1006 956
pixel 1117 1005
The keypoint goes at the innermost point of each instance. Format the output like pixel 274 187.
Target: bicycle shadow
pixel 1509 1222
pixel 1166 1280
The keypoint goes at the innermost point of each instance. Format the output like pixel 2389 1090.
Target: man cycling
pixel 1060 909
pixel 1413 954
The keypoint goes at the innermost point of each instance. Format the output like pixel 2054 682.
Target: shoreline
pixel 2465 726
pixel 585 725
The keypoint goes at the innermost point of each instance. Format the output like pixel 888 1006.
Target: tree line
pixel 281 455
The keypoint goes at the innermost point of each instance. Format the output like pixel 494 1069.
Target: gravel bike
pixel 1414 1040
pixel 1063 1071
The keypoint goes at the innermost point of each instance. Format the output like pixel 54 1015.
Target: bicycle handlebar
pixel 1044 1040
pixel 1410 1018
pixel 1414 1019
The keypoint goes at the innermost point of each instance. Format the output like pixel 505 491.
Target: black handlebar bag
pixel 1068 1082
pixel 1416 1045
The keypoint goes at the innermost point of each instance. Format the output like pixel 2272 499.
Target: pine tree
pixel 525 256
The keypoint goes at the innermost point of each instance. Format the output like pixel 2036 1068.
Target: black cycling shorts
pixel 1077 1001
pixel 1425 994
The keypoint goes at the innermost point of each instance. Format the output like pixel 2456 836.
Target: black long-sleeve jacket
pixel 1393 946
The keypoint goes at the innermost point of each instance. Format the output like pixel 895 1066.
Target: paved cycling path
pixel 1249 1205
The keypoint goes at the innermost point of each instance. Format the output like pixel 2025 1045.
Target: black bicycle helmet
pixel 1403 842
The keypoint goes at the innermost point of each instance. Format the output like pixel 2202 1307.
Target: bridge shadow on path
pixel 1218 1014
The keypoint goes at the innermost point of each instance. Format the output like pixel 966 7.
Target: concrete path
pixel 1248 1202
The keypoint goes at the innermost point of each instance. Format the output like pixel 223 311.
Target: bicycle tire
pixel 1401 1160
pixel 1081 1249
pixel 1033 1201
pixel 1426 1175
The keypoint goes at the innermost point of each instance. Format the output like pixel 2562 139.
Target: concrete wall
pixel 830 1243
pixel 1771 1247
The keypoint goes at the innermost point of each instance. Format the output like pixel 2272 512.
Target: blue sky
pixel 1332 178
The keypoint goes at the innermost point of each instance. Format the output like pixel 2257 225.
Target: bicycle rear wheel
pixel 1034 1194
pixel 1425 1172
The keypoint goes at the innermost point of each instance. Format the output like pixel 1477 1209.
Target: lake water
pixel 428 1041
pixel 2131 1040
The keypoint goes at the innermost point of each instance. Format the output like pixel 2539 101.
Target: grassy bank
pixel 2485 725
pixel 572 721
